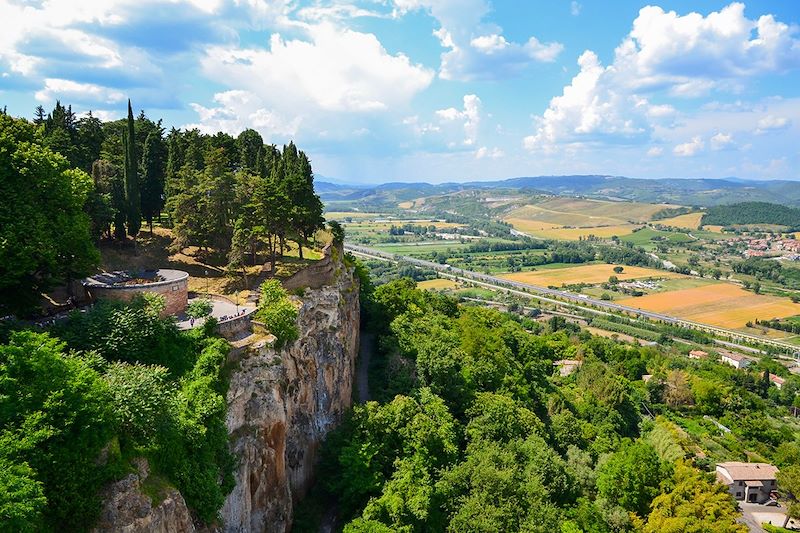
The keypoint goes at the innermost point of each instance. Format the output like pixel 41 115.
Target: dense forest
pixel 752 213
pixel 472 430
pixel 70 182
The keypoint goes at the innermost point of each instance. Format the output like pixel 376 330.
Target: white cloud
pixel 476 50
pixel 655 151
pixel 575 8
pixel 692 54
pixel 334 70
pixel 591 109
pixel 721 141
pixel 470 116
pixel 491 153
pixel 664 55
pixel 772 122
pixel 690 148
pixel 238 110
pixel 78 92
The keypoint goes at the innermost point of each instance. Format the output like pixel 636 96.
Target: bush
pixel 55 417
pixel 278 313
pixel 199 308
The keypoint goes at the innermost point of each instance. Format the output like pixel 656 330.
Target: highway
pixel 557 296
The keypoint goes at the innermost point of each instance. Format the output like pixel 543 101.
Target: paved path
pixel 222 308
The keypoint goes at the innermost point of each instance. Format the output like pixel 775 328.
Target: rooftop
pixel 738 471
pixel 141 278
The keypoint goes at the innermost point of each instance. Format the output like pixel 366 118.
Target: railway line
pixel 560 296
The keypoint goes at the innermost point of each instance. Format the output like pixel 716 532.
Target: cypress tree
pixel 131 177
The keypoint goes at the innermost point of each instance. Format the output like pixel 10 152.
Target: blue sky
pixel 436 90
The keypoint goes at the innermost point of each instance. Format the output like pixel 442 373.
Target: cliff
pixel 281 404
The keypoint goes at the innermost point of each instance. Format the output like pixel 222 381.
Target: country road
pixel 579 299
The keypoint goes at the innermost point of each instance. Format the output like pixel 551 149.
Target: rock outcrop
pixel 282 404
pixel 127 509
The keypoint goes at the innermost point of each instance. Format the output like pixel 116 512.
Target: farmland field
pixel 720 304
pixel 339 215
pixel 689 220
pixel 645 237
pixel 439 283
pixel 549 230
pixel 597 273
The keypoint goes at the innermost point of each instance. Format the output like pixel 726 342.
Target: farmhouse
pixel 750 482
pixel 698 354
pixel 735 360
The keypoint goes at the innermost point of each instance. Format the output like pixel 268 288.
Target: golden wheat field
pixel 689 221
pixel 585 274
pixel 549 230
pixel 338 215
pixel 439 283
pixel 721 304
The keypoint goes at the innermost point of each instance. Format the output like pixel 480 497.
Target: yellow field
pixel 405 205
pixel 438 284
pixel 689 220
pixel 586 274
pixel 549 230
pixel 715 229
pixel 723 304
pixel 337 215
pixel 580 212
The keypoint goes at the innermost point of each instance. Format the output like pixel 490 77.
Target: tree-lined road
pixel 556 296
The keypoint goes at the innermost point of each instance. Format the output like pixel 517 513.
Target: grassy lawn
pixel 646 235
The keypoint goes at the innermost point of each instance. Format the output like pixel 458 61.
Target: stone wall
pixel 317 274
pixel 175 293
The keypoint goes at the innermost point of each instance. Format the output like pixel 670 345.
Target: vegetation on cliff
pixel 117 382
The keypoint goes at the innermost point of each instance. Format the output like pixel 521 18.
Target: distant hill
pixel 684 191
pixel 752 213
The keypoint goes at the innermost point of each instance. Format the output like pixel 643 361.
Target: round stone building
pixel 121 285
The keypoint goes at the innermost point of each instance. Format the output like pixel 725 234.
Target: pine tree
pixel 153 168
pixel 39 116
pixel 132 197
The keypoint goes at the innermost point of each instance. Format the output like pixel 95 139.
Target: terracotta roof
pixel 698 353
pixel 776 379
pixel 739 471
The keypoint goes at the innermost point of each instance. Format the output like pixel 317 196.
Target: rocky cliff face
pixel 282 404
pixel 127 509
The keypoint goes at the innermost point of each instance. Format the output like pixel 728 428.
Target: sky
pixel 435 90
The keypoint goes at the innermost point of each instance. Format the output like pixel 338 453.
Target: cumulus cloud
pixel 772 122
pixel 692 54
pixel 490 153
pixel 690 148
pixel 575 8
pixel 655 151
pixel 476 50
pixel 237 110
pixel 335 69
pixel 470 116
pixel 592 108
pixel 721 141
pixel 71 91
pixel 664 55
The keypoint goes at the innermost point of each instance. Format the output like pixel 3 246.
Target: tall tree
pixel 251 150
pixel 153 172
pixel 132 196
pixel 44 229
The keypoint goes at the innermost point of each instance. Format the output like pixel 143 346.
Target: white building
pixel 750 482
pixel 735 360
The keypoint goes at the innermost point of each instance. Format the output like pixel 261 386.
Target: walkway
pixel 222 310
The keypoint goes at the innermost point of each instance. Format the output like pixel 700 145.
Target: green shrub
pixel 278 313
pixel 55 417
pixel 199 308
